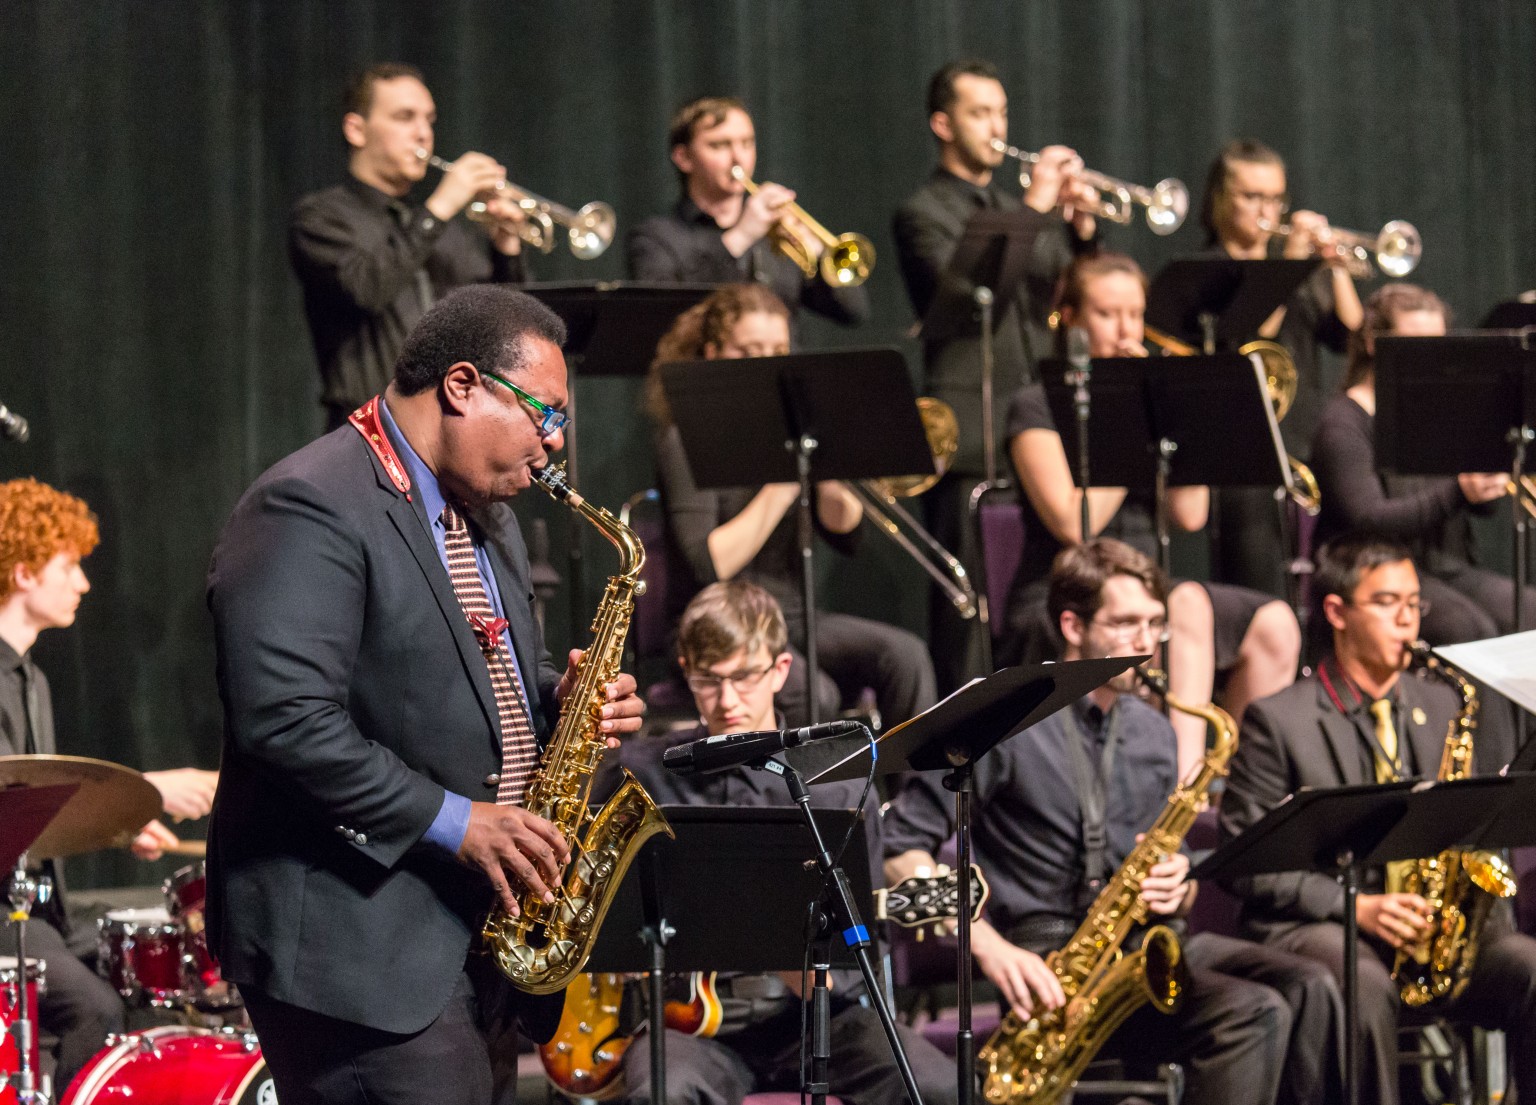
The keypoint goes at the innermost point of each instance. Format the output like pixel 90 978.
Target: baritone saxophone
pixel 1038 1060
pixel 547 944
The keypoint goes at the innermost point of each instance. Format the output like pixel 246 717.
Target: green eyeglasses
pixel 550 420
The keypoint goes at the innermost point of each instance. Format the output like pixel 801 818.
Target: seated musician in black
pixel 1361 720
pixel 732 647
pixel 1239 1039
pixel 1249 638
pixel 751 533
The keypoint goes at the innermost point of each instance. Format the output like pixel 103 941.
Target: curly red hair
pixel 36 521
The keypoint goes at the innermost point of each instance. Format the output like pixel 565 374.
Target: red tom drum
pixel 176 1065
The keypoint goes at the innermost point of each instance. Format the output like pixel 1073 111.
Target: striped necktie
pixel 519 747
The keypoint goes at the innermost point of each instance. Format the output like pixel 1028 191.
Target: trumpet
pixel 1167 201
pixel 881 500
pixel 588 232
pixel 847 260
pixel 1396 248
pixel 1280 385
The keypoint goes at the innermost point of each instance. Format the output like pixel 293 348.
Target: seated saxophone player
pixel 750 532
pixel 387 694
pixel 1249 639
pixel 732 644
pixel 1058 809
pixel 1361 719
pixel 1431 515
pixel 967 110
pixel 718 234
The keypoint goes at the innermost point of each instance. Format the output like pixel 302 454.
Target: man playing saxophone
pixel 1059 808
pixel 1360 719
pixel 387 692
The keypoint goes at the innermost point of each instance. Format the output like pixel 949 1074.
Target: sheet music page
pixel 1507 664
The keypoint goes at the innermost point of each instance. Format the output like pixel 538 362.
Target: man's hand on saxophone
pixel 625 709
pixel 1167 889
pixel 510 843
pixel 1021 976
pixel 1401 920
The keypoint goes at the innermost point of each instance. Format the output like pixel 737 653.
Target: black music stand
pixel 951 736
pixel 989 264
pixel 798 419
pixel 1512 314
pixel 1212 303
pixel 612 327
pixel 1171 422
pixel 687 899
pixel 1345 830
pixel 1478 390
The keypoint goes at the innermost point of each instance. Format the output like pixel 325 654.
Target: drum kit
pixel 57 806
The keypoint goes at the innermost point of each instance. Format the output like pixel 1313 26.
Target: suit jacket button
pixel 360 839
pixel 493 780
pixel 342 829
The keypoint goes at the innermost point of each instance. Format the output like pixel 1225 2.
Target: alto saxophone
pixel 1038 1060
pixel 547 944
pixel 1460 887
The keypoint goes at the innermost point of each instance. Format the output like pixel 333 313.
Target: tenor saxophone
pixel 1037 1060
pixel 1460 887
pixel 547 944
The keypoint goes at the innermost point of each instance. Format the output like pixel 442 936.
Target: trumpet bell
pixel 1167 207
pixel 1398 248
pixel 848 261
pixel 591 231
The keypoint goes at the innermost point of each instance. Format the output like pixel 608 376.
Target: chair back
pixel 1214 910
pixel 998 530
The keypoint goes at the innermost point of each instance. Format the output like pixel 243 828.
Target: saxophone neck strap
pixel 367 421
pixel 1093 791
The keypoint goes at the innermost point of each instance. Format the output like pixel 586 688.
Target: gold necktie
pixel 1386 772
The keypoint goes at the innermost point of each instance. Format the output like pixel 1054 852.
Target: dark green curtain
pixel 151 331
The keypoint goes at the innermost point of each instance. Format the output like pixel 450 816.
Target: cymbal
pixel 113 803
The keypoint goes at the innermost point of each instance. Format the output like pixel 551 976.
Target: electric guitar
pixel 604 1011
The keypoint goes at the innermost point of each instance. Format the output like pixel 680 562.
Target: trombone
pixel 1167 201
pixel 847 260
pixel 1396 247
pixel 881 500
pixel 1280 385
pixel 588 232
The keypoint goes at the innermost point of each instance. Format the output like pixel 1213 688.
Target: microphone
pixel 1078 350
pixel 13 426
pixel 701 757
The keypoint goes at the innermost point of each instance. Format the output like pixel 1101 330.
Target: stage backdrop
pixel 151 330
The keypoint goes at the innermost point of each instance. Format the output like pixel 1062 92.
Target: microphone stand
pixel 27 1086
pixel 837 914
pixel 1078 376
pixel 983 298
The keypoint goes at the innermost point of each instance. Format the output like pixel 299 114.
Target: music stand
pixel 611 329
pixel 685 898
pixel 1214 303
pixel 798 419
pixel 951 736
pixel 1478 390
pixel 1170 422
pixel 1512 314
pixel 1345 830
pixel 987 268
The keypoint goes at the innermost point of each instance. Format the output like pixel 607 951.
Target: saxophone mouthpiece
pixel 1416 650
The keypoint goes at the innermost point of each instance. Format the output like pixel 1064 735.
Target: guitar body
pixel 584 1057
pixel 698 1011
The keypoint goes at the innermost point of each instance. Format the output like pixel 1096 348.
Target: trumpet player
pixel 1102 769
pixel 371 260
pixel 1358 719
pixel 1246 192
pixel 1433 516
pixel 1250 639
pixel 716 233
pixel 967 110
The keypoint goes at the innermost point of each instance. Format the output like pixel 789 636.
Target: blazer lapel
pixel 1340 737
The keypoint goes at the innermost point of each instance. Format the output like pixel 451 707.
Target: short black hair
pixel 358 95
pixel 1344 560
pixel 484 324
pixel 941 86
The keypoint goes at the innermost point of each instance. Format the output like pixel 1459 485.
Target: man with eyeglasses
pixel 1245 196
pixel 733 646
pixel 387 693
pixel 1359 719
pixel 1060 805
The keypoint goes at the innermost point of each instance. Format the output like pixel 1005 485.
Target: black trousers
pixel 467 1056
pixel 1314 1067
pixel 80 1007
pixel 854 653
pixel 1230 1035
pixel 766 1056
pixel 1501 994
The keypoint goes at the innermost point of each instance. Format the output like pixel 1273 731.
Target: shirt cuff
pixel 451 823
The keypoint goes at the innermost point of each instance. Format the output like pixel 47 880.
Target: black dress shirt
pixel 20 680
pixel 1028 830
pixel 685 247
pixel 370 266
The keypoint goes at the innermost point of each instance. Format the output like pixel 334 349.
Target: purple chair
pixel 1525 896
pixel 1214 910
pixel 998 529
